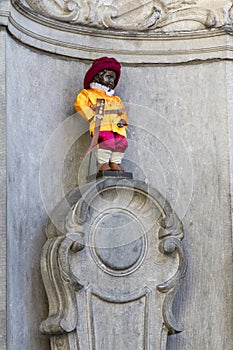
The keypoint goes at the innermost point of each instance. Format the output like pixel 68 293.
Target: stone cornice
pixel 130 47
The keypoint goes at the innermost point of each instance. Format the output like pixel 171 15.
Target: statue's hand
pixel 122 123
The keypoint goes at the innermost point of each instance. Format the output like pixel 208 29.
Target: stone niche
pixel 182 130
pixel 112 267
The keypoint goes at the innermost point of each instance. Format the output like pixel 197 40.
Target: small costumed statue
pixel 105 112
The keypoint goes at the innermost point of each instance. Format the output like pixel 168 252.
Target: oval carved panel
pixel 118 243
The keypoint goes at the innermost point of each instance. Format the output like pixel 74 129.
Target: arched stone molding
pixel 112 276
pixel 181 31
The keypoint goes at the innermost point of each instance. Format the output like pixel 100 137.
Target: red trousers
pixel 112 141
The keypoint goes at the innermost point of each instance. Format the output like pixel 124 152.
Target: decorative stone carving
pixel 138 15
pixel 228 13
pixel 111 278
pixel 176 35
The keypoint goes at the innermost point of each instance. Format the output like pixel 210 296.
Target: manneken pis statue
pixel 105 113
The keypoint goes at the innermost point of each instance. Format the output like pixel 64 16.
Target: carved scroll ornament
pixel 127 15
pixel 112 277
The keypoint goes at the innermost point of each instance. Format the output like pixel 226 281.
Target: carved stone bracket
pixel 60 285
pixel 122 260
pixel 170 287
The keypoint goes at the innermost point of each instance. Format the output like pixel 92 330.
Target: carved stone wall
pixel 177 82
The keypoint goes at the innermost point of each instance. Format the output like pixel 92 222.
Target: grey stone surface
pixel 184 153
pixel 2 191
pixel 230 126
pixel 180 132
pixel 40 97
pixel 192 101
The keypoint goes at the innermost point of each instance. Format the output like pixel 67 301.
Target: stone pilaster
pixel 3 184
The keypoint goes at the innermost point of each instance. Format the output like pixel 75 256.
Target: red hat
pixel 100 64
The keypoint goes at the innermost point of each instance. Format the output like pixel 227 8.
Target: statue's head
pixel 105 71
pixel 106 77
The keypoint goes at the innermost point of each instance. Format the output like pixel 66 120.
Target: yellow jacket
pixel 86 100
